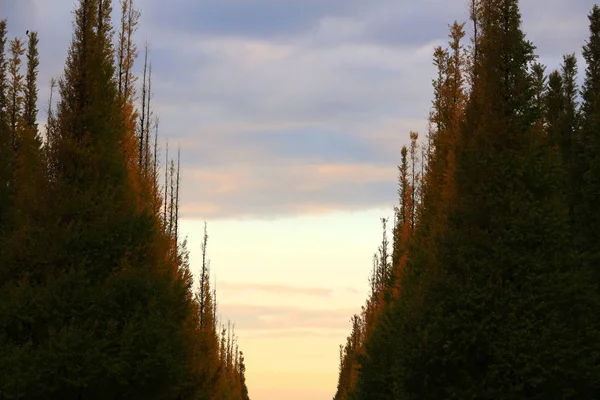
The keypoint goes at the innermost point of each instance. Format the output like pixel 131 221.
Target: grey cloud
pixel 386 21
pixel 18 12
pixel 279 189
pixel 52 21
pixel 414 23
pixel 309 87
pixel 556 27
pixel 258 18
pixel 262 92
pixel 301 145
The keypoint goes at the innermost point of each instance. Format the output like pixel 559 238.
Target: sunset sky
pixel 290 115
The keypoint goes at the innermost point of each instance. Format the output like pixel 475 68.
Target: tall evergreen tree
pixel 95 284
pixel 242 373
pixel 3 77
pixel 29 178
pixel 30 90
pixel 17 131
pixel 588 214
pixel 491 304
pixel 127 50
pixel 15 88
pixel 109 315
pixel 562 118
pixel 395 337
pixel 494 298
pixel 401 212
pixel 5 138
pixel 502 310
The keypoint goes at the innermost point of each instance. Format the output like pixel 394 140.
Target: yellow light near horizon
pixel 291 286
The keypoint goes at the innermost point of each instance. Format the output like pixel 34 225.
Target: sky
pixel 290 116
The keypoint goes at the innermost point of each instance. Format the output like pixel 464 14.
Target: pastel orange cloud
pixel 276 289
pixel 255 317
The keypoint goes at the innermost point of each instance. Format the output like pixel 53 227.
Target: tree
pixel 96 293
pixel 15 88
pixel 562 118
pixel 29 167
pixel 587 213
pixel 127 50
pixel 204 285
pixel 387 340
pixel 242 373
pixel 500 312
pixel 108 317
pixel 5 137
pixel 30 90
pixel 491 302
pixel 415 178
pixel 401 212
pixel 143 117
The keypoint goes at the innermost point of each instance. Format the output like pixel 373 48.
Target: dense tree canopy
pixel 96 294
pixel 496 287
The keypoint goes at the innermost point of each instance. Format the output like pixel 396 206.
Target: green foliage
pixel 5 143
pixel 30 89
pixel 498 294
pixel 96 295
pixel 563 127
pixel 587 213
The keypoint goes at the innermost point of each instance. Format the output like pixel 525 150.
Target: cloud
pixel 280 289
pixel 262 94
pixel 292 172
pixel 258 18
pixel 275 289
pixel 18 13
pixel 283 188
pixel 296 334
pixel 285 318
pixel 351 82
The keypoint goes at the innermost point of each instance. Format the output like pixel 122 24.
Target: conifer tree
pixel 394 337
pixel 127 50
pixel 242 374
pixel 111 312
pixel 5 137
pixel 29 169
pixel 95 284
pixel 143 117
pixel 588 214
pixel 22 240
pixel 415 178
pixel 401 212
pixel 15 88
pixel 562 118
pixel 555 106
pixel 3 76
pixel 499 312
pixel 30 90
pixel 490 294
pixel 204 288
pixel 20 161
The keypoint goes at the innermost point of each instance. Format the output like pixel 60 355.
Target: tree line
pixel 490 287
pixel 97 300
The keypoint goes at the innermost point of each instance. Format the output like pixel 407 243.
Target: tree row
pixel 491 287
